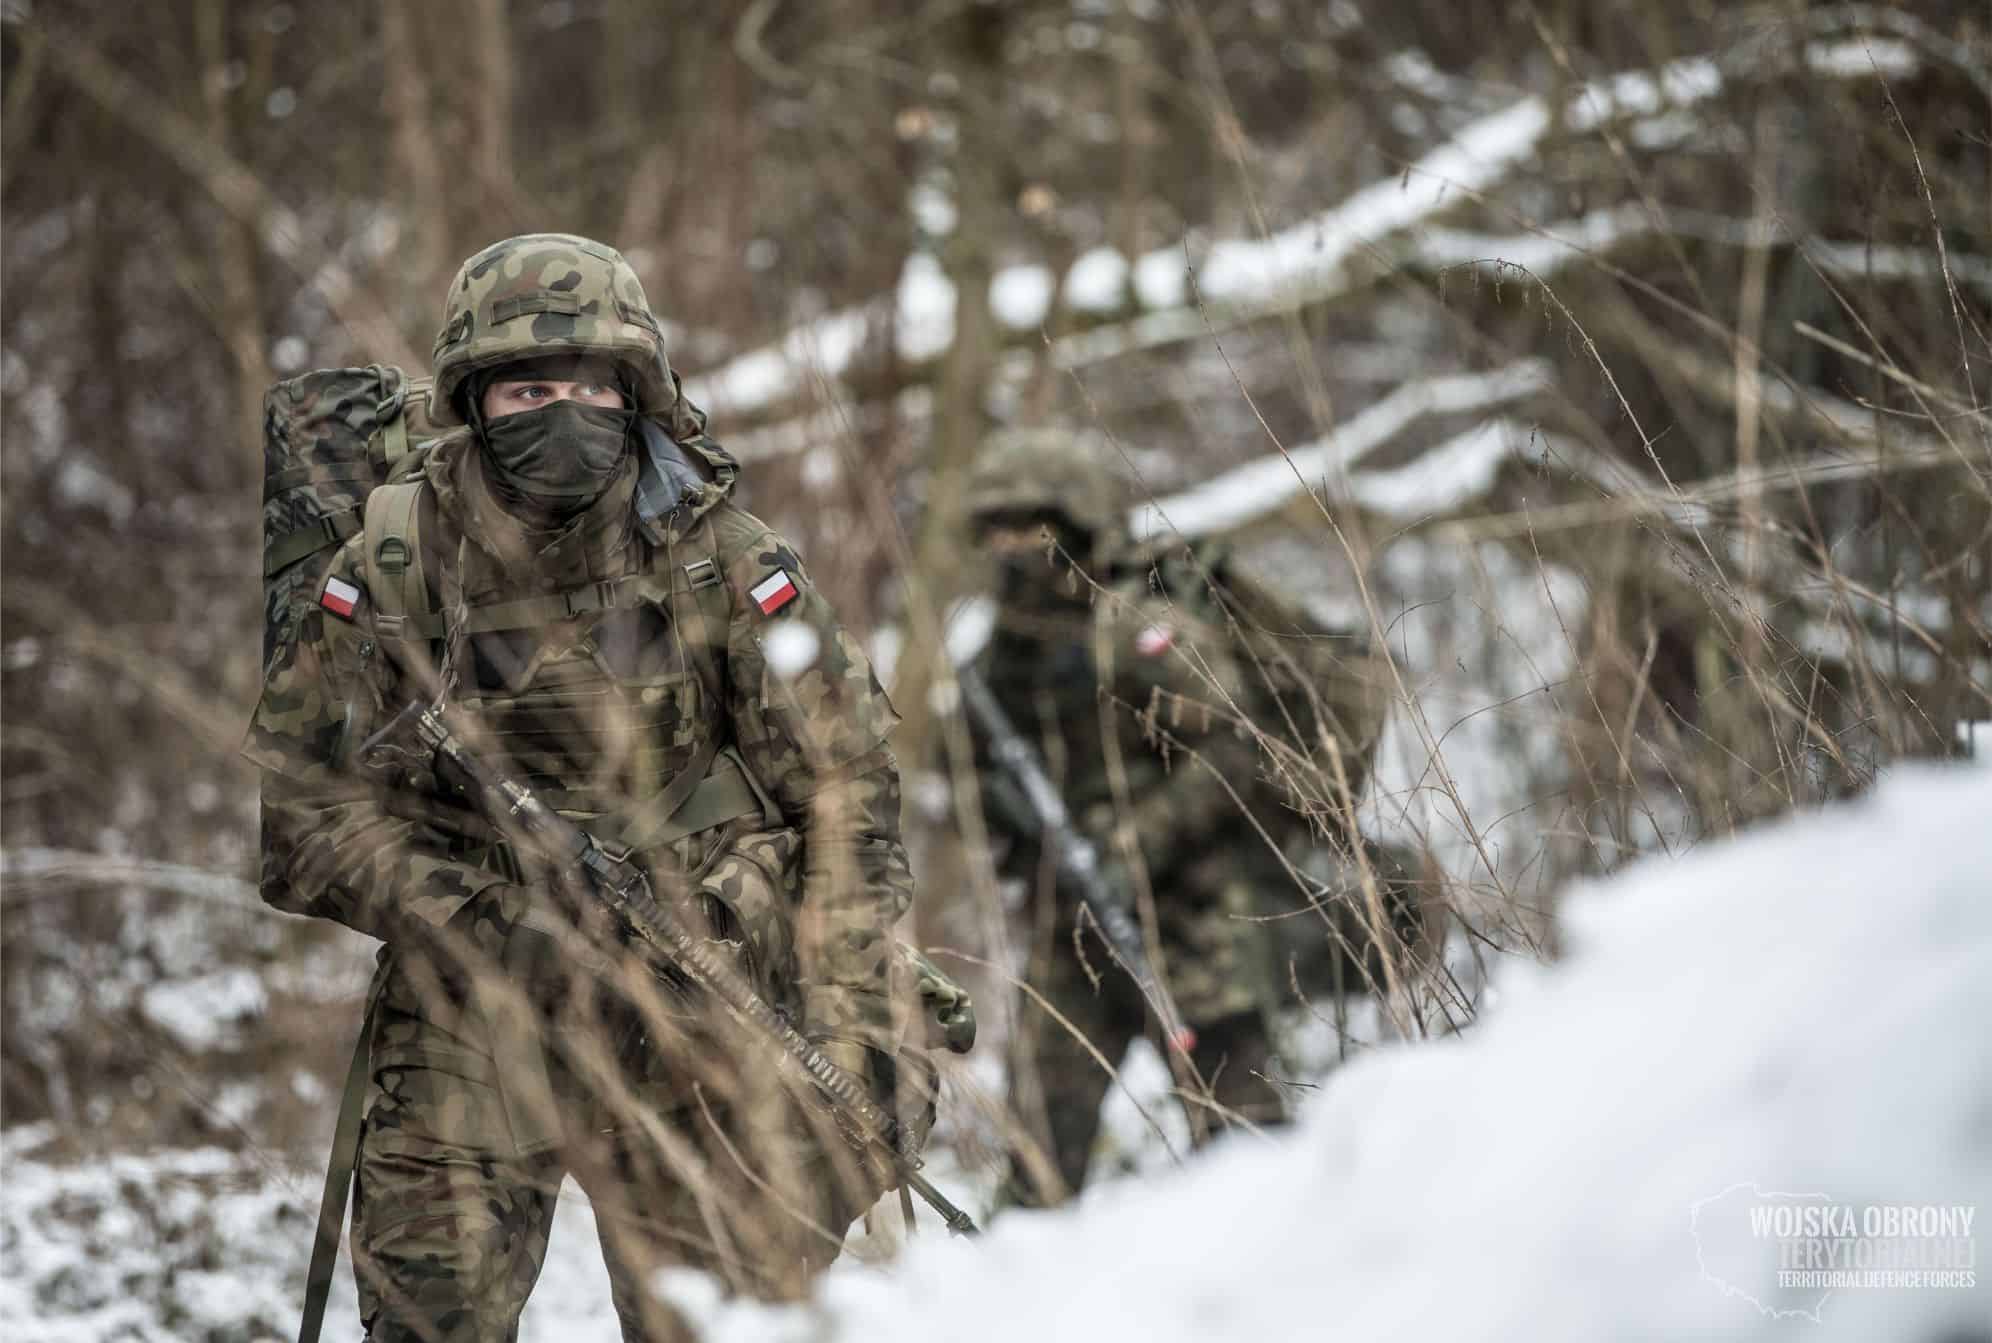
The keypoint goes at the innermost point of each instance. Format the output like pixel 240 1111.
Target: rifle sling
pixel 338 1180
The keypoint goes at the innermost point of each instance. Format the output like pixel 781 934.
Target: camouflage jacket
pixel 1138 704
pixel 598 709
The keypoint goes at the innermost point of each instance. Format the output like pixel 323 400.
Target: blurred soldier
pixel 1128 669
pixel 668 676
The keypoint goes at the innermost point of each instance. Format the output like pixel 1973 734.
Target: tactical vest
pixel 624 730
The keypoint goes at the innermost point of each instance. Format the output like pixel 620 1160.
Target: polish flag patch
pixel 339 597
pixel 1154 640
pixel 774 592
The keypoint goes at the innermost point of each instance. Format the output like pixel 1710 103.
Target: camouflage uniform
pixel 1132 692
pixel 482 1099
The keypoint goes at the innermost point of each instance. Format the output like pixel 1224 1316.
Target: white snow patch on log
pixel 1305 261
pixel 1259 487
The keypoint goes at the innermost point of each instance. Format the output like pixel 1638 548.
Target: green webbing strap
pixel 645 827
pixel 728 790
pixel 400 546
pixel 315 536
pixel 319 473
pixel 393 559
pixel 338 1181
pixel 712 607
pixel 394 438
pixel 532 612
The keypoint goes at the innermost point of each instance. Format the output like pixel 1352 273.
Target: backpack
pixel 1302 675
pixel 1300 672
pixel 329 437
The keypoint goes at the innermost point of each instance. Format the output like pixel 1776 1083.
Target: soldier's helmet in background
pixel 545 294
pixel 1060 472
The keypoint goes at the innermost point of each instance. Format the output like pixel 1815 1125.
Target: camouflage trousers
pixel 1057 1082
pixel 451 1217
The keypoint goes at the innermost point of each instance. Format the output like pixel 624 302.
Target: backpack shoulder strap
pixel 397 578
pixel 394 441
pixel 712 602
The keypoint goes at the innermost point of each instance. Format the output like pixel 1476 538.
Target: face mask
pixel 556 460
pixel 1034 577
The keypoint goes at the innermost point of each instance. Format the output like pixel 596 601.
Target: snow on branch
pixel 1263 486
pixel 1460 471
pixel 1552 246
pixel 1258 276
pixel 23 866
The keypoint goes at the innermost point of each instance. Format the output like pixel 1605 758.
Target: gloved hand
pixel 948 1011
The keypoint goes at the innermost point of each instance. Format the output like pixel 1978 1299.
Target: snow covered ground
pixel 1800 1010
pixel 1789 1022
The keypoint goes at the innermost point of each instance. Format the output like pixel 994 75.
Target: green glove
pixel 949 1011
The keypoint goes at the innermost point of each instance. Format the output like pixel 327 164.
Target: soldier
pixel 1132 679
pixel 679 686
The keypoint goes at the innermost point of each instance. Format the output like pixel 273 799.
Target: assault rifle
pixel 624 887
pixel 1043 818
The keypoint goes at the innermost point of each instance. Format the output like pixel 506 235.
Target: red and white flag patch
pixel 774 592
pixel 1154 640
pixel 339 597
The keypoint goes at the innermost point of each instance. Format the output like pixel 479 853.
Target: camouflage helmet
pixel 1069 473
pixel 547 293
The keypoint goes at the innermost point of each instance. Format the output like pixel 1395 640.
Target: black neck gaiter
pixel 548 464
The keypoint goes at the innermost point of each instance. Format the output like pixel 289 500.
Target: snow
pixel 158 1247
pixel 204 1013
pixel 1783 1011
pixel 1975 740
pixel 1467 768
pixel 1443 477
pixel 1020 296
pixel 93 1250
pixel 1851 59
pixel 1306 261
pixel 968 627
pixel 1236 497
pixel 1548 248
pixel 926 311
pixel 791 648
pixel 1097 281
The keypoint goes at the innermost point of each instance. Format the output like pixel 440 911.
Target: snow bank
pixel 1797 1010
pixel 1791 1021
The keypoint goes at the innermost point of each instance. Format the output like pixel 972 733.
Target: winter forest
pixel 1618 371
